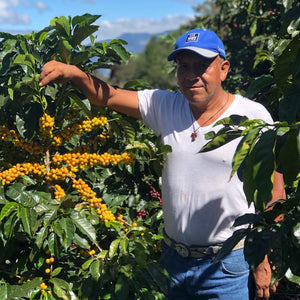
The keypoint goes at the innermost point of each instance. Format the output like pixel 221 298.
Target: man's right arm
pixel 97 91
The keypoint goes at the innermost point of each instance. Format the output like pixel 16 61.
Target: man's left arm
pixel 262 274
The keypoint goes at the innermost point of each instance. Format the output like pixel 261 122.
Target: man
pixel 199 203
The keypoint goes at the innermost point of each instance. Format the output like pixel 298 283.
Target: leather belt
pixel 197 252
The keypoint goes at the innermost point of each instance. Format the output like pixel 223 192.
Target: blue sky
pixel 118 16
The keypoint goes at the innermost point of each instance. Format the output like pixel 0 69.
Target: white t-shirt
pixel 200 204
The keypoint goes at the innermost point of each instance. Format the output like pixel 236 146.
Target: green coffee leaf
pixel 29 220
pixel 84 226
pixel 291 277
pixel 243 149
pixel 25 59
pixel 95 269
pixel 7 209
pixel 219 140
pixel 68 231
pixel 62 25
pixel 113 248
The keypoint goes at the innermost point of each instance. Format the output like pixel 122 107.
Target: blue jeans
pixel 204 279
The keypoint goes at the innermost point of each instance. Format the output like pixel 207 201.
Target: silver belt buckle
pixel 182 250
pixel 199 252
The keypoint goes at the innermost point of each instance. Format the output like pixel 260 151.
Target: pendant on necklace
pixel 193 136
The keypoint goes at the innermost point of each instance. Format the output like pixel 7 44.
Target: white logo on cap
pixel 192 37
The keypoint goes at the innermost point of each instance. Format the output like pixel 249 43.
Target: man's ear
pixel 225 65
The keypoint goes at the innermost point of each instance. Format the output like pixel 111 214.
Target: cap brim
pixel 203 52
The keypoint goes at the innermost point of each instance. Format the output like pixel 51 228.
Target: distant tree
pixel 150 66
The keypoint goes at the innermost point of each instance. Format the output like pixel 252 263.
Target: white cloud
pixel 10 15
pixel 41 6
pixel 110 30
pixel 9 3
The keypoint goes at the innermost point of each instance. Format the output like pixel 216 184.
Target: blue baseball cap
pixel 202 41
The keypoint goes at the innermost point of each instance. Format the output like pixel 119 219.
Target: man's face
pixel 200 78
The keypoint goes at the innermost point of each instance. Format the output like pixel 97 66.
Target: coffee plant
pixel 80 208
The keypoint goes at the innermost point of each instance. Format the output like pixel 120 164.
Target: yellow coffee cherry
pixel 43 285
pixel 120 219
pixel 92 252
pixel 47 261
pixel 134 224
pixel 47 271
pixel 52 259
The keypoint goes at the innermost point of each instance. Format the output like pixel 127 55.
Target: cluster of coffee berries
pixel 33 147
pixel 71 114
pixel 20 170
pixel 6 134
pixel 105 214
pixel 81 160
pixel 46 125
pixel 77 128
pixel 59 174
pixel 155 194
pixel 128 158
pixel 9 135
pixel 59 192
pixel 49 262
pixel 86 252
pixel 141 214
pixel 93 144
pixel 66 134
pixel 44 288
pixel 88 125
pixel 88 195
pixel 84 190
pixel 102 137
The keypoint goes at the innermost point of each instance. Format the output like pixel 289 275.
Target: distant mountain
pixel 136 41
